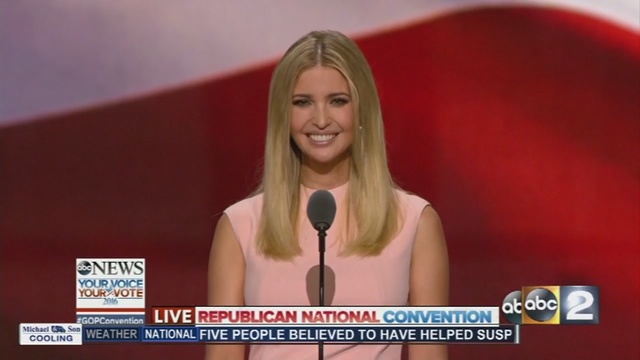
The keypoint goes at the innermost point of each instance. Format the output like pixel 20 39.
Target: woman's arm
pixel 226 283
pixel 429 284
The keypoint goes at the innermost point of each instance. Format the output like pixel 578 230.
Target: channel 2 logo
pixel 553 305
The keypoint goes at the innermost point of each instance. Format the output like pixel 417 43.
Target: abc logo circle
pixel 512 307
pixel 84 268
pixel 541 305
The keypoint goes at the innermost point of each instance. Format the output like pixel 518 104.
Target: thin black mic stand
pixel 321 247
pixel 322 234
pixel 321 211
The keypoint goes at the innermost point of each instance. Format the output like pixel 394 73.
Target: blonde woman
pixel 386 246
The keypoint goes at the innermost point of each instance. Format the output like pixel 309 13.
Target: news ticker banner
pixel 358 324
pixel 78 334
pixel 110 291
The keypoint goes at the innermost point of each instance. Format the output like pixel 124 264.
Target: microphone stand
pixel 321 211
pixel 322 234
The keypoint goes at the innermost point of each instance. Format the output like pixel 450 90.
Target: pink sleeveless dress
pixel 381 280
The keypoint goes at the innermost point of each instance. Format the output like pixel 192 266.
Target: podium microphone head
pixel 321 210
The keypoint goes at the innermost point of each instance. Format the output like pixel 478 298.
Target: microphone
pixel 321 211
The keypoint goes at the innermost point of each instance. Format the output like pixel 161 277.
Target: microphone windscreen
pixel 321 209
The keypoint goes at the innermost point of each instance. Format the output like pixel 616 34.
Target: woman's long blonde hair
pixel 371 197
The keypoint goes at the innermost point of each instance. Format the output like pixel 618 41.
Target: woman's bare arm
pixel 225 283
pixel 429 285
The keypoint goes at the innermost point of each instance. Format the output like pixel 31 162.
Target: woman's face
pixel 322 116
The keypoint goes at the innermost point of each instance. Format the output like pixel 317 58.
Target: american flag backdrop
pixel 126 127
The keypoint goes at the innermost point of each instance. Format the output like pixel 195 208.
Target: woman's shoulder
pixel 410 201
pixel 247 207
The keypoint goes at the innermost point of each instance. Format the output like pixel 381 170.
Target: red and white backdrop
pixel 127 127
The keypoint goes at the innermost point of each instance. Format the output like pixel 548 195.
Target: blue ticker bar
pixel 501 334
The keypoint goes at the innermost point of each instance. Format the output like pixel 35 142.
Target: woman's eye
pixel 340 101
pixel 301 102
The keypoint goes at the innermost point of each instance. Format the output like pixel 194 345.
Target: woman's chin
pixel 325 160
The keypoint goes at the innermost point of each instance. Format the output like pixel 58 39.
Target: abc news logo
pixel 553 305
pixel 110 267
